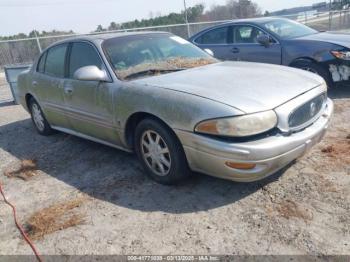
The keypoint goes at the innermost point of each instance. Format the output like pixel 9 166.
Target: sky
pixel 83 16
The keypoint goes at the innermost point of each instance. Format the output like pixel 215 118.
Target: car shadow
pixel 115 176
pixel 339 91
pixel 6 103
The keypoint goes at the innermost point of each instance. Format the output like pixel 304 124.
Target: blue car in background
pixel 280 41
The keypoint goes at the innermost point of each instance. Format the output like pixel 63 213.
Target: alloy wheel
pixel 155 153
pixel 38 117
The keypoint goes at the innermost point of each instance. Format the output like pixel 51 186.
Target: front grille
pixel 307 111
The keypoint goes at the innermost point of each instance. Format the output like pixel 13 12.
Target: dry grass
pixel 189 63
pixel 328 150
pixel 54 218
pixel 26 170
pixel 339 151
pixel 172 63
pixel 289 209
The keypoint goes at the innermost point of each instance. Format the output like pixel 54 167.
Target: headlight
pixel 344 55
pixel 240 126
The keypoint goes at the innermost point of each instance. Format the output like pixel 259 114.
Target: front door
pixel 247 48
pixel 218 41
pixel 89 104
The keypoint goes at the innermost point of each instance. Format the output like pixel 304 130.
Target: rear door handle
pixel 68 90
pixel 34 83
pixel 235 50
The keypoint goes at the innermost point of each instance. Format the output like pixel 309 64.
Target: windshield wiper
pixel 152 72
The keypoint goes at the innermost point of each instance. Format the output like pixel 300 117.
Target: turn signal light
pixel 242 166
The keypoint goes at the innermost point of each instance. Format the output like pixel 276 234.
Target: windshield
pixel 287 29
pixel 152 54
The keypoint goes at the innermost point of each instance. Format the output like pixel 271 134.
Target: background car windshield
pixel 132 54
pixel 288 29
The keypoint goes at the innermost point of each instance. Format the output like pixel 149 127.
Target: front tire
pixel 38 118
pixel 316 69
pixel 160 152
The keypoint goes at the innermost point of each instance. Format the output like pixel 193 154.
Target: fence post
pixel 38 41
pixel 186 18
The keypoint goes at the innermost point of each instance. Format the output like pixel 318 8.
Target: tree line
pixel 233 9
pixel 15 52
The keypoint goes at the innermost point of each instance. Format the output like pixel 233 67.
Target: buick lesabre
pixel 177 107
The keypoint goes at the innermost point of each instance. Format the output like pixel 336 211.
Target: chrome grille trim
pixel 307 113
pixel 284 111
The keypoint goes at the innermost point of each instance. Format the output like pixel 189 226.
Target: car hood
pixel 333 38
pixel 249 87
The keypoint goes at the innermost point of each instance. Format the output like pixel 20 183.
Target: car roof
pixel 253 21
pixel 259 20
pixel 100 37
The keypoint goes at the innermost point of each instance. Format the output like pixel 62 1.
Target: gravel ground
pixel 303 209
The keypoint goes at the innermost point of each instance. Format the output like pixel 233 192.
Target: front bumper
pixel 208 156
pixel 339 70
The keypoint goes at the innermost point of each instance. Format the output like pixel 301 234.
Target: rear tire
pixel 38 118
pixel 316 69
pixel 160 152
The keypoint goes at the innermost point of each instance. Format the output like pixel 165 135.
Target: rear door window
pixel 83 54
pixel 215 36
pixel 55 61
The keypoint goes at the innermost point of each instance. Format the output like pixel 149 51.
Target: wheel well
pixel 302 59
pixel 28 97
pixel 133 121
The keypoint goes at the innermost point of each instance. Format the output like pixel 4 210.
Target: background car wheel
pixel 316 69
pixel 38 118
pixel 160 152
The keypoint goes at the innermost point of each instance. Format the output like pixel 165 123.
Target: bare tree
pixel 233 9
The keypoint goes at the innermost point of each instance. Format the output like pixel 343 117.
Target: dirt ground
pixel 79 197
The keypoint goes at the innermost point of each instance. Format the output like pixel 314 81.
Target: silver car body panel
pixel 270 154
pixel 177 109
pixel 100 111
pixel 250 87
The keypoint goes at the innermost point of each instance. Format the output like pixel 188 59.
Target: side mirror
pixel 91 73
pixel 264 40
pixel 207 50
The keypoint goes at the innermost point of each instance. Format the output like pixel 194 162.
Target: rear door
pixel 47 84
pixel 247 47
pixel 89 104
pixel 217 40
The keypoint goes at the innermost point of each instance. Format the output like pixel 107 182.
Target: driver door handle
pixel 235 50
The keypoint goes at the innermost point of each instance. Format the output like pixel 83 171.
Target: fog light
pixel 242 166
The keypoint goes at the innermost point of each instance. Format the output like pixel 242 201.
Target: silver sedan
pixel 176 106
